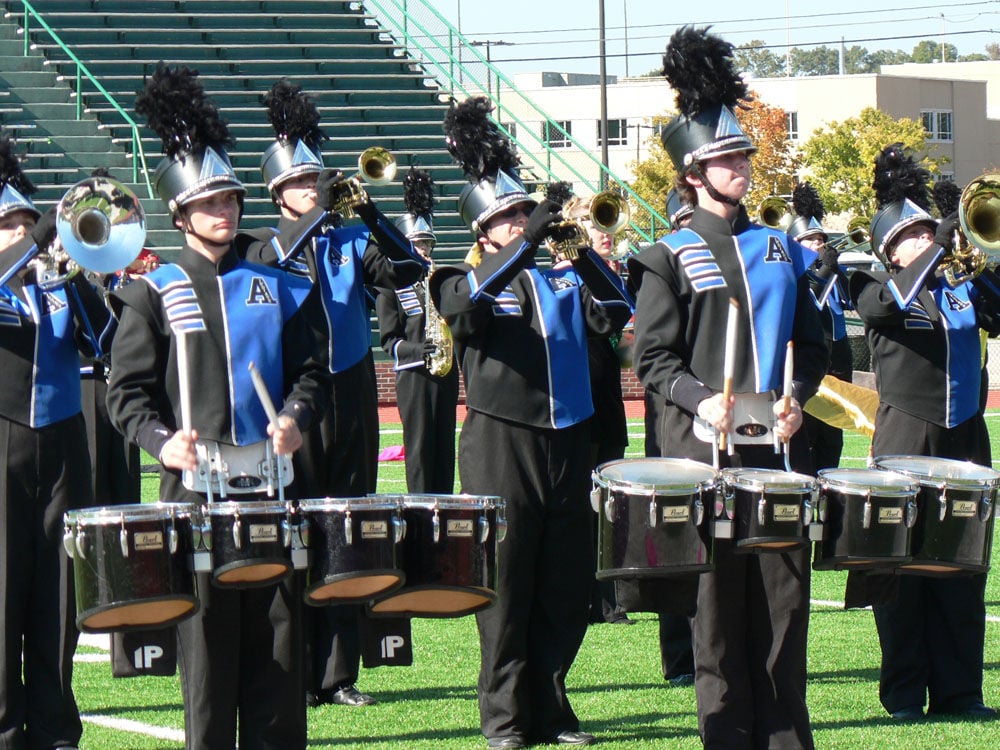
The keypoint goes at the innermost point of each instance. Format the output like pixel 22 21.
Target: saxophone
pixel 436 332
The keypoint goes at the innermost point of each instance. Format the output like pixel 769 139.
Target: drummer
pixel 924 339
pixel 240 656
pixel 43 443
pixel 753 610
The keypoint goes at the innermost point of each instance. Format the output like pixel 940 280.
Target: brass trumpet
pixel 609 213
pixel 376 166
pixel 774 212
pixel 977 244
pixel 855 236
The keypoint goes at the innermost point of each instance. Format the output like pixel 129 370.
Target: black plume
pixel 418 192
pixel 175 106
pixel 898 177
pixel 560 192
pixel 700 68
pixel 946 197
pixel 806 202
pixel 10 168
pixel 293 115
pixel 475 142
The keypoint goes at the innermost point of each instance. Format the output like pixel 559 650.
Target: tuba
pixel 978 242
pixel 775 213
pixel 100 227
pixel 436 332
pixel 609 213
pixel 376 166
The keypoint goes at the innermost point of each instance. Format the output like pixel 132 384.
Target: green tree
pixel 858 60
pixel 818 61
pixel 993 51
pixel 888 57
pixel 839 158
pixel 755 59
pixel 929 51
pixel 974 57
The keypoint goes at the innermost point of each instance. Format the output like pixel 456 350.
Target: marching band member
pixel 829 290
pixel 753 609
pixel 46 469
pixel 240 655
pixel 427 400
pixel 521 335
pixel 311 241
pixel 925 344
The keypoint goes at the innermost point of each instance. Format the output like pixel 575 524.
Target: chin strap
pixel 189 229
pixel 710 188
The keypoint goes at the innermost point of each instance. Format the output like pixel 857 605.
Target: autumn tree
pixel 839 157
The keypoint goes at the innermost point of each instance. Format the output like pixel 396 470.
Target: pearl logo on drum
pixel 460 527
pixel 675 514
pixel 891 514
pixel 145 540
pixel 963 509
pixel 787 513
pixel 261 533
pixel 374 529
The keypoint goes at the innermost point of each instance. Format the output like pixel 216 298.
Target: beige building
pixel 953 109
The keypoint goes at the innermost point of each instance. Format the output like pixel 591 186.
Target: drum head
pixel 861 481
pixel 767 479
pixel 112 514
pixel 934 471
pixel 255 507
pixel 664 475
pixel 339 504
pixel 458 502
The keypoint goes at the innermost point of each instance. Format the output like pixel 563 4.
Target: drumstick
pixel 272 414
pixel 182 381
pixel 729 363
pixel 786 397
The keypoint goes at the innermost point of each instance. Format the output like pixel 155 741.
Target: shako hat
pixel 15 187
pixel 194 136
pixel 295 120
pixel 901 195
pixel 418 198
pixel 809 213
pixel 677 210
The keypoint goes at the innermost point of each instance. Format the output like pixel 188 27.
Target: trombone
pixel 774 212
pixel 376 166
pixel 855 236
pixel 609 213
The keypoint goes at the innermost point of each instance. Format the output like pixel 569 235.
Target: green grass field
pixel 615 686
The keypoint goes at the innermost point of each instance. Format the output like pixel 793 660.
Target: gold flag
pixel 845 405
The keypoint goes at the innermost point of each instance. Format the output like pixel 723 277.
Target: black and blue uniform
pixel 926 353
pixel 241 655
pixel 46 471
pixel 521 339
pixel 426 402
pixel 341 451
pixel 753 609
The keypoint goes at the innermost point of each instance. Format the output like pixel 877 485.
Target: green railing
pixel 461 69
pixel 139 156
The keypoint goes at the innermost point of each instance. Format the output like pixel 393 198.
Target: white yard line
pixel 136 727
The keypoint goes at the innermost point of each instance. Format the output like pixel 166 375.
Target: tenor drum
pixel 353 544
pixel 867 517
pixel 246 544
pixel 653 517
pixel 954 529
pixel 130 566
pixel 448 554
pixel 770 509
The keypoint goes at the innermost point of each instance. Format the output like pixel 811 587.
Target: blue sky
pixel 535 31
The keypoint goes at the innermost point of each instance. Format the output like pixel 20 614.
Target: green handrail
pixel 81 73
pixel 445 53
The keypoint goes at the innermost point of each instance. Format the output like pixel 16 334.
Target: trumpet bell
pixel 979 213
pixel 101 224
pixel 377 166
pixel 609 212
pixel 775 213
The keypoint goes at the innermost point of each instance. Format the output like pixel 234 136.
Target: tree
pixel 839 158
pixel 974 57
pixel 654 176
pixel 858 60
pixel 818 61
pixel 993 50
pixel 888 57
pixel 756 60
pixel 929 51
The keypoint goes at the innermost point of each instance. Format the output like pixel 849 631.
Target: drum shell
pixel 262 554
pixel 848 545
pixel 770 515
pixel 454 575
pixel 150 588
pixel 351 571
pixel 961 542
pixel 631 546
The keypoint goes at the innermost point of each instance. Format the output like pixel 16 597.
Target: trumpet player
pixel 46 468
pixel 313 241
pixel 420 344
pixel 925 344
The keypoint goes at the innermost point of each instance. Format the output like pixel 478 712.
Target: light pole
pixel 604 96
pixel 488 43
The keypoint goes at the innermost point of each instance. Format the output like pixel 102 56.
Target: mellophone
pixel 658 517
pixel 134 566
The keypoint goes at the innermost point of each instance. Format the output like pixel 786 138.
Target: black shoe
pixel 574 738
pixel 621 620
pixel 681 680
pixel 318 698
pixel 909 713
pixel 507 743
pixel 977 710
pixel 351 696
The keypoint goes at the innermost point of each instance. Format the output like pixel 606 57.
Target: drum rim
pixel 112 514
pixel 806 482
pixel 400 496
pixel 250 508
pixel 826 482
pixel 360 502
pixel 928 480
pixel 677 488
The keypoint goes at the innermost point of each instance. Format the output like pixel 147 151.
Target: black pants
pixel 530 637
pixel 427 408
pixel 45 473
pixel 116 464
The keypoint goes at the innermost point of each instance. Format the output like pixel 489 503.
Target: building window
pixel 793 126
pixel 938 124
pixel 553 136
pixel 617 132
pixel 510 127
